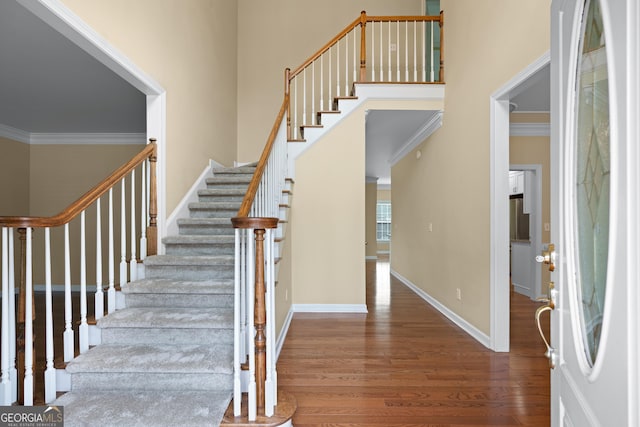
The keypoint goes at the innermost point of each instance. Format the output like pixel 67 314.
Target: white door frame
pixel 499 203
pixel 62 19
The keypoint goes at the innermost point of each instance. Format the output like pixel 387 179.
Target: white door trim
pixel 61 18
pixel 499 202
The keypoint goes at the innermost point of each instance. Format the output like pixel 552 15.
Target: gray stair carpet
pixel 166 359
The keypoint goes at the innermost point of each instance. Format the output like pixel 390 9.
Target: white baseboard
pixel 283 333
pixel 329 308
pixel 191 196
pixel 371 258
pixel 477 334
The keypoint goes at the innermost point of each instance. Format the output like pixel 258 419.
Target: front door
pixel 595 191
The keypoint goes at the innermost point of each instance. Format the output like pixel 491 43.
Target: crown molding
pixel 14 134
pixel 423 133
pixel 89 138
pixel 529 129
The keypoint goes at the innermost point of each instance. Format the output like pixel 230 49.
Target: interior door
pixel 593 349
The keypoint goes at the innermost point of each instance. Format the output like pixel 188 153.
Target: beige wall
pixel 189 47
pixel 327 221
pixel 486 44
pixel 371 198
pixel 535 150
pixel 14 178
pixel 276 34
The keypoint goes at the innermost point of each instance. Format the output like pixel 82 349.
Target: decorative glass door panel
pixel 592 178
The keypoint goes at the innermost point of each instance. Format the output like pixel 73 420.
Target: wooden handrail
pixel 75 208
pixel 360 21
pixel 249 196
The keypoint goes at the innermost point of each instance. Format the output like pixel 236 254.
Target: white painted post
pixel 143 212
pixel 111 292
pixel 123 236
pixel 99 295
pixel 28 324
pixel 5 381
pixel 13 371
pixel 50 371
pixel 133 263
pixel 237 384
pixel 68 335
pixel 83 329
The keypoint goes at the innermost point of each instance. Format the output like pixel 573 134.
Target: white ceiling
pixel 49 85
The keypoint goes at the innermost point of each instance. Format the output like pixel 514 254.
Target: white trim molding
pixel 283 332
pixel 89 138
pixel 329 308
pixel 418 138
pixel 474 332
pixel 529 129
pixel 14 134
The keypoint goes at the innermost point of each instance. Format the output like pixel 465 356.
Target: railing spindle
pixel 83 329
pixel 111 292
pixel 68 335
pixel 13 371
pixel 5 381
pixel 50 372
pixel 143 212
pixel 133 263
pixel 28 323
pixel 99 295
pixel 123 235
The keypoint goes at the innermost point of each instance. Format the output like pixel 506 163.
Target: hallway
pixel 404 364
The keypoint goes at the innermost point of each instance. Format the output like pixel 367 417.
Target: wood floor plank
pixel 405 364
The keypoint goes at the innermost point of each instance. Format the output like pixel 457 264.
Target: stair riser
pixel 213 213
pixel 193 272
pixel 213 184
pixel 151 381
pixel 220 198
pixel 179 300
pixel 167 336
pixel 206 230
pixel 186 249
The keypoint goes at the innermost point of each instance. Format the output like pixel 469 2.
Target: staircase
pixel 166 359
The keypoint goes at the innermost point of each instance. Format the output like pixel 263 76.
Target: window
pixel 383 221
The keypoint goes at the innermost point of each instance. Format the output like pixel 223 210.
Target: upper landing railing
pixel 372 49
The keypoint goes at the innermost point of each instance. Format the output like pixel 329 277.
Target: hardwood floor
pixel 404 364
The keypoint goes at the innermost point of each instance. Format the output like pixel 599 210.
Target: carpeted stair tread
pixel 189 260
pixel 166 286
pixel 165 408
pixel 199 239
pixel 170 318
pixel 155 359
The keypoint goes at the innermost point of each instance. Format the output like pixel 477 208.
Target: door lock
pixel 549 306
pixel 548 257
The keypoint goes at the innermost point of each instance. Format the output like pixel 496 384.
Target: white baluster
pixel 322 83
pixel 373 52
pixel 5 381
pixel 313 93
pixel 415 51
pixel 133 263
pixel 68 313
pixel 50 371
pixel 296 129
pixel 251 280
pixel 237 384
pixel 406 51
pixel 346 64
pixel 389 53
pixel 270 399
pixel 28 324
pixel 99 296
pixel 356 63
pixel 13 371
pixel 143 212
pixel 123 236
pixel 432 74
pixel 397 50
pixel 83 329
pixel 111 292
pixel 338 68
pixel 381 60
pixel 330 81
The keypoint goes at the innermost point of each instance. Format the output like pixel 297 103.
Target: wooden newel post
pixel 363 46
pixel 152 229
pixel 259 226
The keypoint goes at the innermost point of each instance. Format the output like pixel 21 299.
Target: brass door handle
pixel 550 305
pixel 548 257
